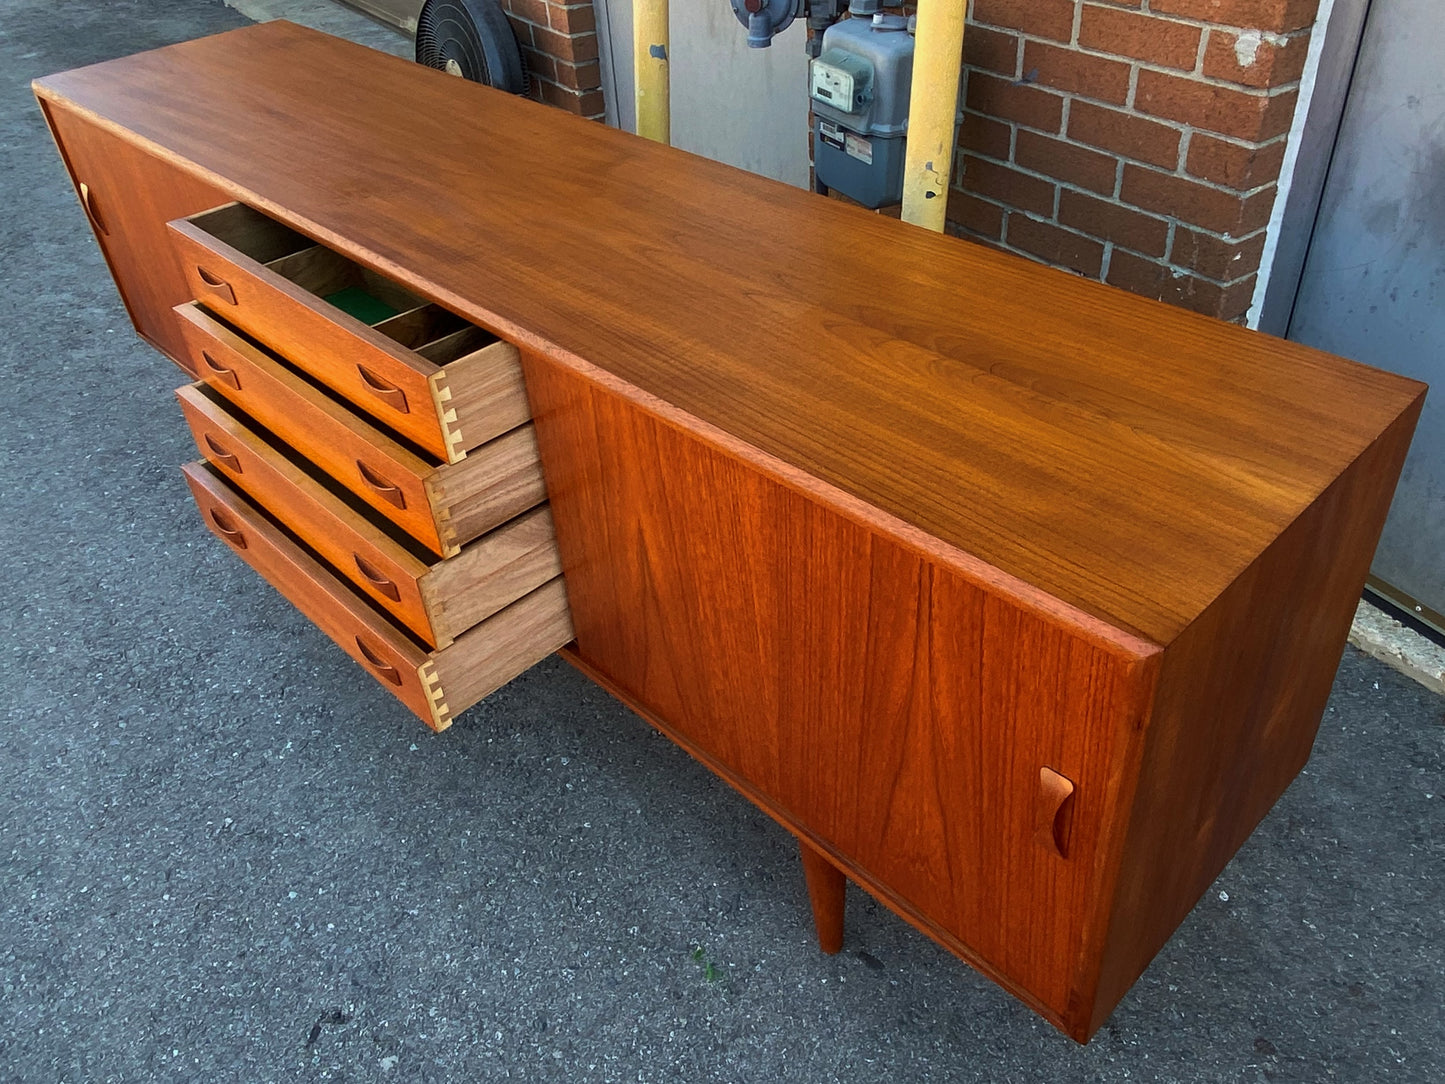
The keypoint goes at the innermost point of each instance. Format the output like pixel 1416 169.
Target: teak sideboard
pixel 1015 597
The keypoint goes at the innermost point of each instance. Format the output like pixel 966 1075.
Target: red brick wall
pixel 559 47
pixel 1134 141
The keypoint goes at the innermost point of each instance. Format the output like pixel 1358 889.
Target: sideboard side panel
pixel 134 194
pixel 886 706
pixel 1241 694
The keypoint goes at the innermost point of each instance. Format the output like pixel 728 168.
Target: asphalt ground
pixel 227 855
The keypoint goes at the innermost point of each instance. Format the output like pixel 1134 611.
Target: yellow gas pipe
pixel 649 69
pixel 932 110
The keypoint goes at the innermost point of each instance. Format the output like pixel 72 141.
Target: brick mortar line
pixel 551 29
pixel 1163 261
pixel 1127 110
pixel 1201 79
pixel 1181 170
pixel 1179 270
pixel 1160 16
pixel 1137 65
pixel 562 86
pixel 1201 52
pixel 1166 122
pixel 1241 194
pixel 1195 74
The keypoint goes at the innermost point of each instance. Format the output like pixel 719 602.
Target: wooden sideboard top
pixel 1123 456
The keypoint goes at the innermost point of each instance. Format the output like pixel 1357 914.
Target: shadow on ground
pixel 226 855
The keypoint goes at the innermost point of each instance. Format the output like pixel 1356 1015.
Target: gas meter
pixel 859 86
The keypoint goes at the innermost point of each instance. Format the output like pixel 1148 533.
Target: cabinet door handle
pixel 383 489
pixel 226 529
pixel 379 666
pixel 376 579
pixel 387 392
pixel 220 455
pixel 218 286
pixel 1055 811
pixel 87 200
pixel 221 373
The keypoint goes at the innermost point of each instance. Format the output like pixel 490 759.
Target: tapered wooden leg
pixel 827 890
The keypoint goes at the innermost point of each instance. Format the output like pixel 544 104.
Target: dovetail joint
pixel 451 432
pixel 441 515
pixel 441 714
pixel 446 532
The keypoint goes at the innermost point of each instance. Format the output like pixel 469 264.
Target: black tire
pixel 473 39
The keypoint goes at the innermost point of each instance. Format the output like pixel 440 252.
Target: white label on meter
pixel 830 133
pixel 858 147
pixel 832 85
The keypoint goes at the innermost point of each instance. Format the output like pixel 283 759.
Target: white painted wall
pixel 746 107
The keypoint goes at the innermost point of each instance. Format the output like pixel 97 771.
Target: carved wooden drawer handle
pixel 379 666
pixel 1055 811
pixel 387 392
pixel 88 202
pixel 221 456
pixel 220 372
pixel 219 286
pixel 383 489
pixel 226 529
pixel 376 579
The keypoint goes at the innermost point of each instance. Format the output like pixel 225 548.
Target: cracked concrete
pixel 1377 633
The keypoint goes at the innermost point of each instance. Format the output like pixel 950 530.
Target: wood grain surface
pixel 886 705
pixel 386 475
pixel 515 639
pixel 484 392
pixel 397 663
pixel 828 895
pixel 388 573
pixel 443 506
pixel 1015 597
pixel 492 572
pixel 499 480
pixel 337 349
pixel 1128 458
pixel 1239 702
pixel 434 685
pixel 128 196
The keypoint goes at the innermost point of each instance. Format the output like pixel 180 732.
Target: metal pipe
pixel 933 112
pixel 650 69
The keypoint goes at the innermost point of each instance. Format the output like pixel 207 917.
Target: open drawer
pixel 442 505
pixel 440 381
pixel 433 684
pixel 436 600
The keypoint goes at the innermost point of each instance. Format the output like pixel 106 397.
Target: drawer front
pixel 384 571
pixel 366 461
pixel 401 667
pixel 434 685
pixel 379 376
